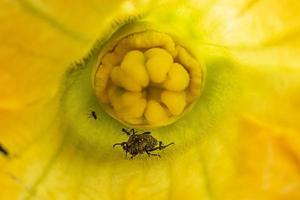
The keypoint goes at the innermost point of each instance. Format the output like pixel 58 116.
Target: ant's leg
pixel 90 114
pixel 152 154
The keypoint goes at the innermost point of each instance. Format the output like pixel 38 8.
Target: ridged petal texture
pixel 240 141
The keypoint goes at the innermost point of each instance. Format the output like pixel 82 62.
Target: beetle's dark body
pixel 141 143
pixel 138 144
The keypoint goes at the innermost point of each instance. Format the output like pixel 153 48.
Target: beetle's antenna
pixel 125 131
pixel 133 131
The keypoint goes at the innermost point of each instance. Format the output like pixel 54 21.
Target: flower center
pixel 147 79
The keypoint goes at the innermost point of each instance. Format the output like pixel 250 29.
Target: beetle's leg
pixel 148 132
pixel 132 156
pixel 125 147
pixel 121 144
pixel 133 131
pixel 130 132
pixel 126 131
pixel 161 146
pixel 148 153
pixel 152 154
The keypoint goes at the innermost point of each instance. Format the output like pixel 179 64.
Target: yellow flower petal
pixel 241 141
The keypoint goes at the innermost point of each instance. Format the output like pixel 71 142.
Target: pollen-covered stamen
pixel 177 78
pixel 134 65
pixel 158 63
pixel 147 79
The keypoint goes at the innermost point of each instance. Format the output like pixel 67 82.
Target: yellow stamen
pixel 133 65
pixel 177 78
pixel 133 104
pixel 155 113
pixel 148 80
pixel 158 64
pixel 121 79
pixel 175 101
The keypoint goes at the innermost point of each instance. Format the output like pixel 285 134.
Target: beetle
pixel 141 143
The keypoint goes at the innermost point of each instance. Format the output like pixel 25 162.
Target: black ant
pixel 93 114
pixel 3 150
